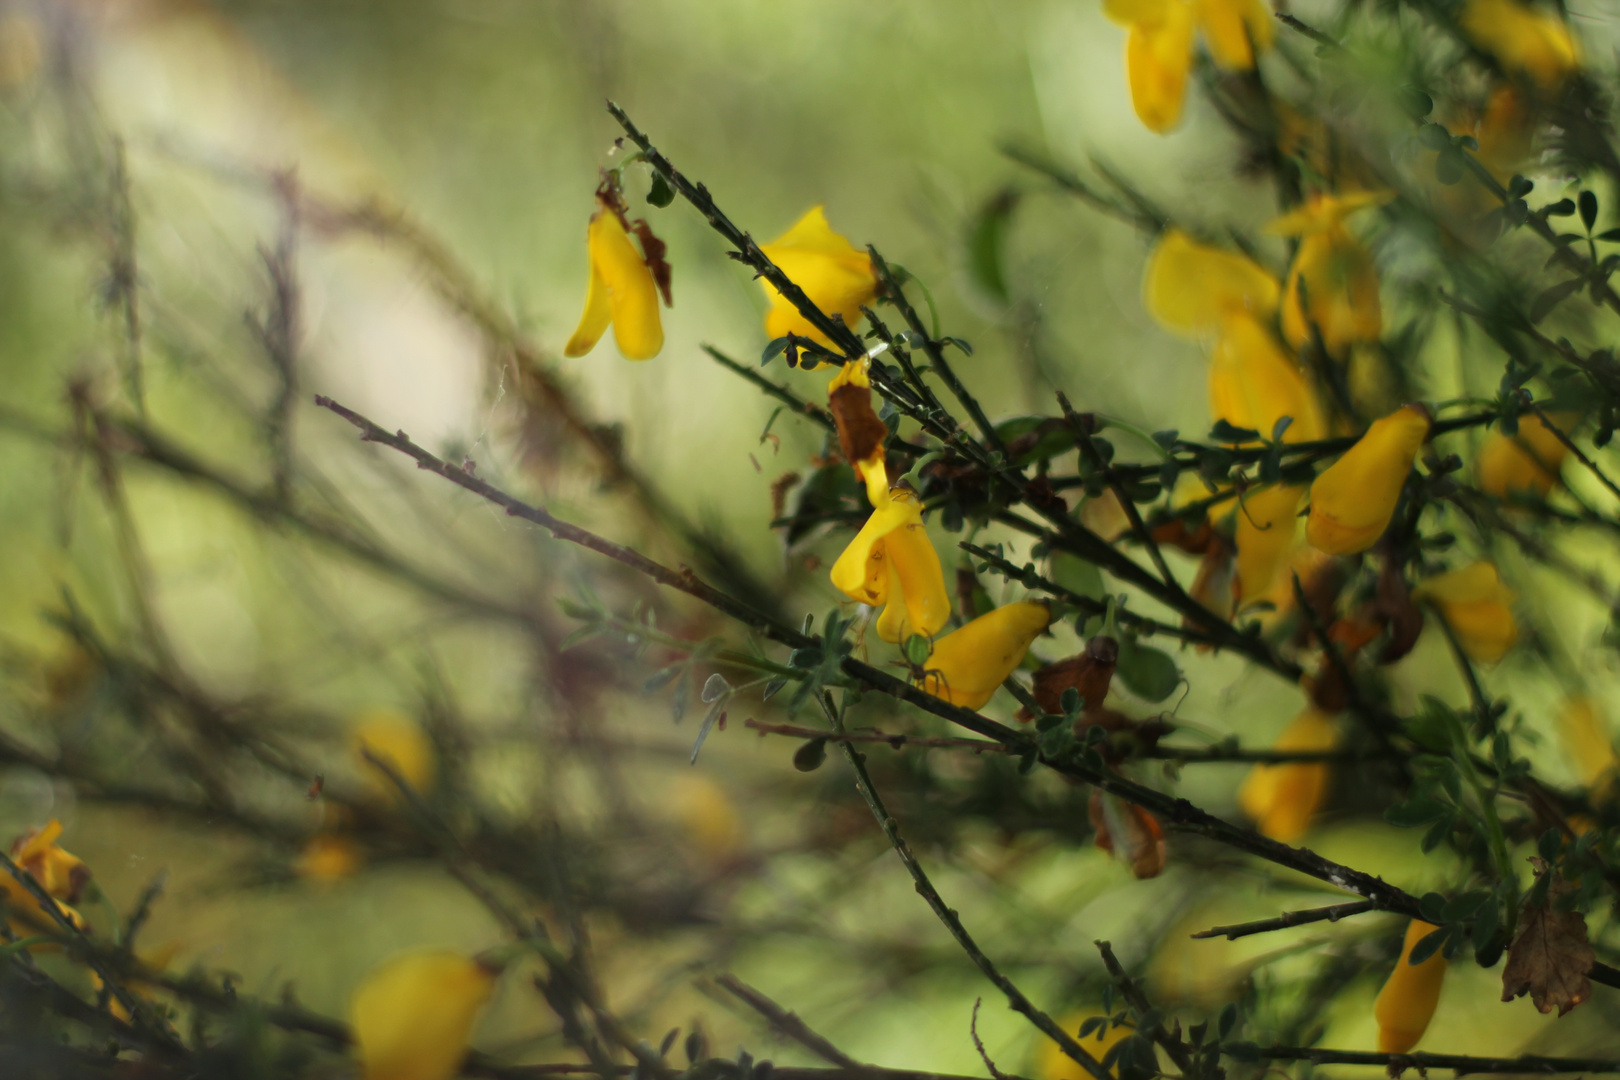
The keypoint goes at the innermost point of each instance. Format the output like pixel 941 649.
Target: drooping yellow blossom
pixel 393 738
pixel 1477 607
pixel 1253 383
pixel 1406 1003
pixel 1353 500
pixel 1283 798
pixel 622 292
pixel 413 1015
pixel 1526 40
pixel 60 874
pixel 328 856
pixel 1332 283
pixel 1588 743
pixel 1053 1064
pixel 1267 533
pixel 836 277
pixel 1159 47
pixel 892 562
pixel 1524 463
pixel 707 818
pixel 1193 288
pixel 969 663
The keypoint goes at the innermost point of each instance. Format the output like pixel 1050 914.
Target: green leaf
pixel 772 350
pixel 1588 204
pixel 987 240
pixel 661 194
pixel 1225 432
pixel 715 687
pixel 1561 208
pixel 1151 674
pixel 1449 166
pixel 809 757
pixel 1428 945
pixel 1434 136
pixel 1416 103
pixel 1552 297
pixel 1415 812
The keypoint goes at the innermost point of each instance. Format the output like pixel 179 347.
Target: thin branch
pixel 1138 1000
pixel 1331 913
pixel 1088 448
pixel 789 1024
pixel 1580 455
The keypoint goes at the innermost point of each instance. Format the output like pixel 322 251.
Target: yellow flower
pixel 1587 741
pixel 892 562
pixel 1406 1003
pixel 1159 48
pixel 1053 1064
pixel 969 663
pixel 1282 799
pixel 61 874
pixel 622 291
pixel 1332 283
pixel 1530 41
pixel 1527 462
pixel 1193 288
pixel 1353 500
pixel 1477 607
pixel 1504 132
pixel 395 739
pixel 327 857
pixel 1253 383
pixel 707 817
pixel 836 277
pixel 413 1015
pixel 1267 533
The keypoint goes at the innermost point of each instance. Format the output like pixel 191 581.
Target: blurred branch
pixel 1331 913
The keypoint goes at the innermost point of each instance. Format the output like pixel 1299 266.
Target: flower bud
pixel 968 664
pixel 413 1015
pixel 1477 607
pixel 1353 500
pixel 1406 1003
pixel 1283 798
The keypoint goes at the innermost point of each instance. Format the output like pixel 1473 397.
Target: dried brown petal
pixel 860 432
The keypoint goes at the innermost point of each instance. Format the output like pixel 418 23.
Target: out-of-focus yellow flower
pixel 62 875
pixel 1253 383
pixel 1504 132
pixel 836 277
pixel 1282 799
pixel 707 818
pixel 152 959
pixel 1332 283
pixel 1477 607
pixel 1053 1064
pixel 969 663
pixel 396 739
pixel 1527 462
pixel 1587 741
pixel 1267 533
pixel 1159 48
pixel 328 856
pixel 622 292
pixel 1526 40
pixel 413 1015
pixel 1193 288
pixel 1406 1003
pixel 892 562
pixel 1353 500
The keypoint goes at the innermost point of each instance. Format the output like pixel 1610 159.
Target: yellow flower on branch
pixel 837 277
pixel 1253 383
pixel 969 663
pixel 1523 463
pixel 1406 1003
pixel 60 874
pixel 624 286
pixel 1283 798
pixel 1053 1064
pixel 1159 47
pixel 1525 40
pixel 1332 284
pixel 413 1015
pixel 1267 534
pixel 391 737
pixel 1353 500
pixel 1193 288
pixel 891 562
pixel 1477 607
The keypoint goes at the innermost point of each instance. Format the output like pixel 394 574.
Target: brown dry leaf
pixel 1550 955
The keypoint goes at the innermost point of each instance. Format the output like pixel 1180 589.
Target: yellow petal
pixel 1532 41
pixel 1283 798
pixel 1477 607
pixel 861 572
pixel 412 1016
pixel 914 568
pixel 1192 287
pixel 969 663
pixel 399 741
pixel 1129 12
pixel 1233 29
pixel 1334 274
pixel 836 277
pixel 1587 740
pixel 1158 55
pixel 1324 211
pixel 1527 462
pixel 1267 531
pixel 1353 500
pixel 594 322
pixel 1253 383
pixel 1406 1003
pixel 638 328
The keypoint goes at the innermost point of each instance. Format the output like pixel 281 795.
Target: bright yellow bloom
pixel 1253 383
pixel 1282 799
pixel 969 663
pixel 61 874
pixel 1159 48
pixel 1353 500
pixel 622 291
pixel 412 1016
pixel 1587 741
pixel 1477 607
pixel 1267 533
pixel 1053 1064
pixel 1525 463
pixel 892 562
pixel 836 277
pixel 1333 272
pixel 1532 41
pixel 1406 1003
pixel 394 738
pixel 1193 288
